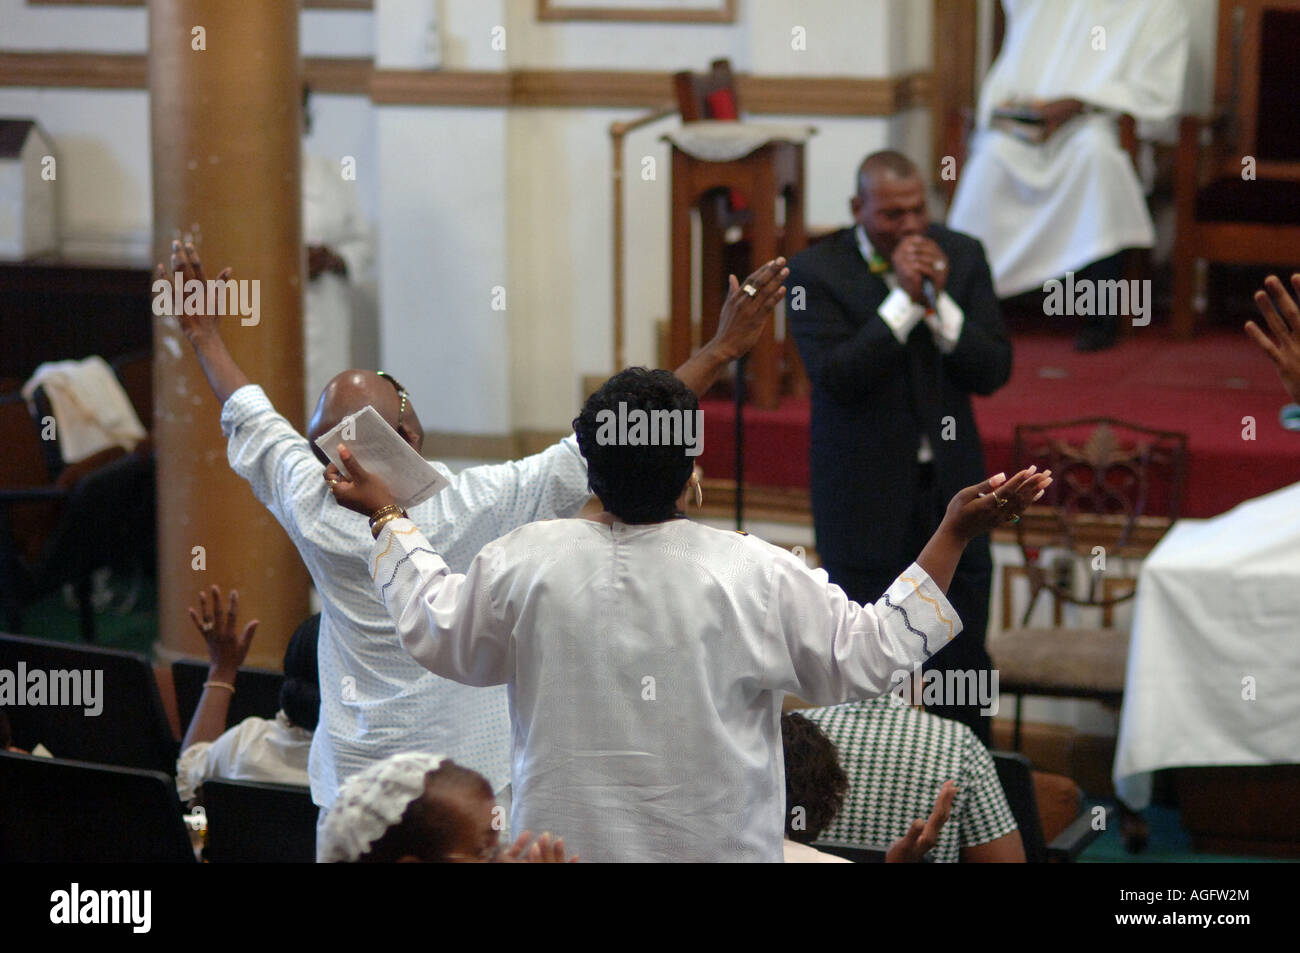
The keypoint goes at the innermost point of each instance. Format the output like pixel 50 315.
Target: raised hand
pixel 185 261
pixel 227 648
pixel 546 850
pixel 744 315
pixel 978 509
pixel 922 836
pixel 1279 309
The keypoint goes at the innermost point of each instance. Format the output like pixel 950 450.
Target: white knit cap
pixel 371 802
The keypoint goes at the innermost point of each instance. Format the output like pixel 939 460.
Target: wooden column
pixel 226 112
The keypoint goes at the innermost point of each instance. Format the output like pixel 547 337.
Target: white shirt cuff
pixel 946 325
pixel 901 313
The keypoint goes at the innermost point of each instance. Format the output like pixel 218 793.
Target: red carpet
pixel 1202 387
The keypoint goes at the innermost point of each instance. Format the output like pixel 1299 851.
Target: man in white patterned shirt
pixel 376 700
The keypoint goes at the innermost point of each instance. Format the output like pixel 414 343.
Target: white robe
pixel 1044 210
pixel 646 666
pixel 331 216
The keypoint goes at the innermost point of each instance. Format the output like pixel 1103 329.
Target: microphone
pixel 927 291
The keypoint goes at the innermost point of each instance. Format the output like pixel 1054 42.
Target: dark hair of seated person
pixel 300 690
pixel 814 779
pixel 6 733
pixel 439 824
pixel 636 483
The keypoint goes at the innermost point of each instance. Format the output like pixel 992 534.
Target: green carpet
pixel 135 630
pixel 1169 843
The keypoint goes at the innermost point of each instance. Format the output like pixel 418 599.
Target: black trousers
pixel 969 594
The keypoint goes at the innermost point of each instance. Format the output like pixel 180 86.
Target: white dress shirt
pixel 256 749
pixel 376 701
pixel 646 667
pixel 902 314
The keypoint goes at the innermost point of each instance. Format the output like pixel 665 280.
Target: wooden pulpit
pixel 763 163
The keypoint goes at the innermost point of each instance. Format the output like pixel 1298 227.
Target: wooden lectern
pixel 772 169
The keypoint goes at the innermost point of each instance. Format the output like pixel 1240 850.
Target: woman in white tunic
pixel 646 656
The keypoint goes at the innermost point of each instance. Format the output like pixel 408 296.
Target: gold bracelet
pixel 383 511
pixel 221 685
pixel 378 527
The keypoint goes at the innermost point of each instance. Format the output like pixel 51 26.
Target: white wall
pixel 462 200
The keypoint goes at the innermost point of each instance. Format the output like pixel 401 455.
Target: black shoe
pixel 1098 335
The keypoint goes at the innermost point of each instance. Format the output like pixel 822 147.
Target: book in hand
pixel 1022 120
pixel 382 451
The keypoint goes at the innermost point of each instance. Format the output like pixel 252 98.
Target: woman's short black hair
pixel 300 690
pixel 435 823
pixel 815 782
pixel 639 482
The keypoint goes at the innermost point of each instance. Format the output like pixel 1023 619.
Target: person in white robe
pixel 1068 68
pixel 376 701
pixel 338 259
pixel 646 656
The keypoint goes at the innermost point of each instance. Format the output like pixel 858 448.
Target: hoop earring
pixel 699 494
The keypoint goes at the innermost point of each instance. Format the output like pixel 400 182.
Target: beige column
pixel 225 111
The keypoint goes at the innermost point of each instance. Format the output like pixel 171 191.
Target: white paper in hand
pixel 382 451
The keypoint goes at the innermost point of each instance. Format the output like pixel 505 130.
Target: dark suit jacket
pixel 873 397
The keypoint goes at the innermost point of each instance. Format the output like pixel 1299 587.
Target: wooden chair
pixel 1116 488
pixel 1227 211
pixel 1047 809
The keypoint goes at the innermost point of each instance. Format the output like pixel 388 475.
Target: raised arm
pixel 739 326
pixel 203 330
pixel 839 650
pixel 227 650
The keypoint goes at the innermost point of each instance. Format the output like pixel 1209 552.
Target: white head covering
pixel 371 802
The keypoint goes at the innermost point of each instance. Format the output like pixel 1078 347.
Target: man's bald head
pixel 352 391
pixel 890 202
pixel 887 164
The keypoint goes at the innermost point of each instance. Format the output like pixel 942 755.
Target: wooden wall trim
pixel 131 71
pixel 770 95
pixel 308 4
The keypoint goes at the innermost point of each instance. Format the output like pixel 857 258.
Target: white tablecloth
pixel 717 140
pixel 1217 619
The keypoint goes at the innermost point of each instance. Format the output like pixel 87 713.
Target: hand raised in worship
pixel 915 259
pixel 1283 316
pixel 544 851
pixel 185 260
pixel 363 493
pixel 978 509
pixel 922 836
pixel 227 648
pixel 744 315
